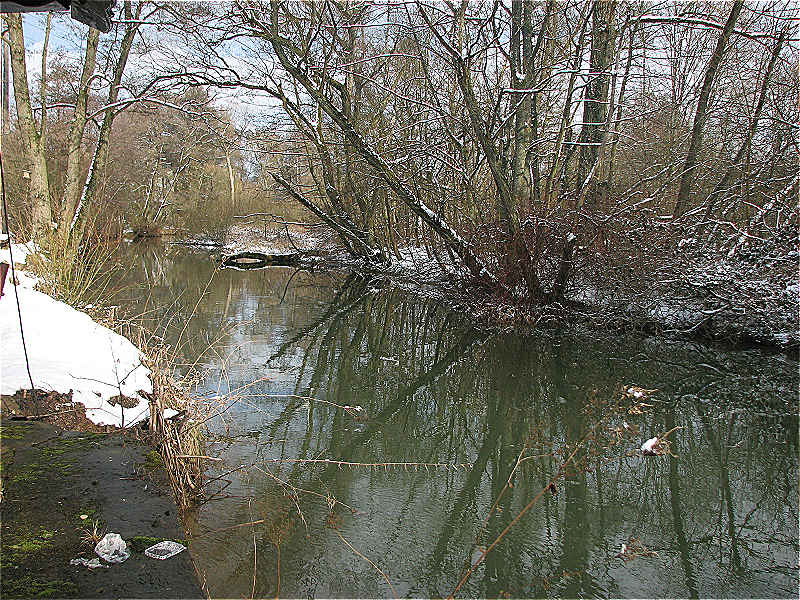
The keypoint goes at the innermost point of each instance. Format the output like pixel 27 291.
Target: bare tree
pixel 101 150
pixel 696 139
pixel 596 102
pixel 521 140
pixel 72 184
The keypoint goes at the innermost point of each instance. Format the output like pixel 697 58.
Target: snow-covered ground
pixel 411 263
pixel 67 350
pixel 748 297
pixel 278 241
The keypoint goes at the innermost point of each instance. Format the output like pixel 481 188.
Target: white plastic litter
pixel 164 550
pixel 112 548
pixel 648 448
pixel 85 562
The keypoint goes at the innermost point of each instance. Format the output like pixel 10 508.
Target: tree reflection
pixel 436 390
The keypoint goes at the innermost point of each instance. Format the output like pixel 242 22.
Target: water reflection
pixel 720 516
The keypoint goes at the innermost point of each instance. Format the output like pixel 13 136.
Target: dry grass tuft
pixel 92 534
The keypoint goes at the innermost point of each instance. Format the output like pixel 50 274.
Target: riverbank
pixel 73 465
pixel 745 298
pixel 64 350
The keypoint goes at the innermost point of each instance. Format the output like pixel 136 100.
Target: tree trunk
pixel 620 104
pixel 595 106
pixel 519 81
pixel 523 56
pixel 72 185
pixel 43 83
pixel 696 139
pixel 41 212
pixel 231 179
pixel 560 156
pixel 6 85
pixel 100 157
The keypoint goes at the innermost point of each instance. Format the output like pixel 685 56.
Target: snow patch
pixel 20 253
pixel 67 350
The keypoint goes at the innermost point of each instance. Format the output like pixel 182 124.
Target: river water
pixel 458 432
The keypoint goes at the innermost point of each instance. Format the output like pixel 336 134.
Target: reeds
pixel 179 440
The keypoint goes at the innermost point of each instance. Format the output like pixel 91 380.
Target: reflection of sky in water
pixel 721 518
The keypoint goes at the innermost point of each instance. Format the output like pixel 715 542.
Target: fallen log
pixel 259 260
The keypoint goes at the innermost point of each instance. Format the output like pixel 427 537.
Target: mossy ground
pixel 53 478
pixel 33 532
pixel 18 555
pixel 153 462
pixel 30 587
pixel 11 431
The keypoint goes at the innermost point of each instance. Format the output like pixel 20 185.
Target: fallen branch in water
pixel 296 489
pixel 237 526
pixel 197 456
pixel 376 567
pixel 385 465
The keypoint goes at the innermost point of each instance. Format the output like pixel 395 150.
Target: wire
pixel 14 275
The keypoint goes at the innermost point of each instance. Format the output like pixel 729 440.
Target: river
pixel 453 431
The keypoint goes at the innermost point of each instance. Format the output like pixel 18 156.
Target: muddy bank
pixel 51 478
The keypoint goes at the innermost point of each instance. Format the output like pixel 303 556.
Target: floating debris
pixel 659 445
pixel 635 392
pixel 649 448
pixel 634 549
pixel 357 412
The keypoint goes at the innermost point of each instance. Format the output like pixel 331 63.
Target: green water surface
pixel 489 419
